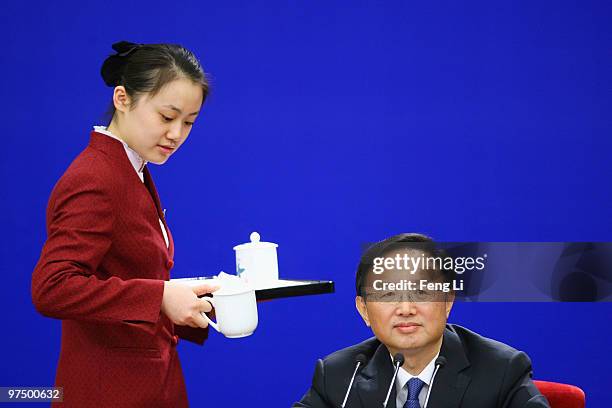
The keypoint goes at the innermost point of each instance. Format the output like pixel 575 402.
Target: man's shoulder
pixel 480 348
pixel 346 357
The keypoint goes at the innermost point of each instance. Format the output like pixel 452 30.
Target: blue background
pixel 330 124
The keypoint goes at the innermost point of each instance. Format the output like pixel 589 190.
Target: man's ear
pixel 450 301
pixel 121 99
pixel 362 309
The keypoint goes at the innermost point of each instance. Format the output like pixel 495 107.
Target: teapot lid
pixel 255 243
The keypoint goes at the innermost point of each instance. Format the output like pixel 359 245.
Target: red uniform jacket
pixel 101 271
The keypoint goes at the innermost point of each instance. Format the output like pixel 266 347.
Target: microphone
pixel 440 362
pixel 359 360
pixel 398 361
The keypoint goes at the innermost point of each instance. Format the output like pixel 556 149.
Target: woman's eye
pixel 166 119
pixel 189 123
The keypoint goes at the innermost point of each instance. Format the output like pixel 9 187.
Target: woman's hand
pixel 182 305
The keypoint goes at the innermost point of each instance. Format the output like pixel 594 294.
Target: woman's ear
pixel 121 99
pixel 362 309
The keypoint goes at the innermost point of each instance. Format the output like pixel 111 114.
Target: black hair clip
pixel 125 48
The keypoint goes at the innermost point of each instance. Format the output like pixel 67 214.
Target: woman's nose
pixel 174 132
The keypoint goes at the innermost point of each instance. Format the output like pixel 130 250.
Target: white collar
pixel 404 376
pixel 137 162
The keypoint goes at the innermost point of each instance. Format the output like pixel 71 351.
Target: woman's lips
pixel 165 149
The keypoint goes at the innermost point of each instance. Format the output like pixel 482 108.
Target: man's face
pixel 398 320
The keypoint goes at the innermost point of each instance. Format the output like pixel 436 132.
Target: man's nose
pixel 405 307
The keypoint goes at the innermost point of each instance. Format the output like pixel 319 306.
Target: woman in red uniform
pixel 105 267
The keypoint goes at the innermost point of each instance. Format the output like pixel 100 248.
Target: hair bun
pixel 112 68
pixel 125 48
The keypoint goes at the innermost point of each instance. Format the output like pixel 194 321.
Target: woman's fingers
pixel 197 320
pixel 205 306
pixel 181 303
pixel 200 321
pixel 204 289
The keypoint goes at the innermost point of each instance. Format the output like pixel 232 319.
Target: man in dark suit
pixel 407 302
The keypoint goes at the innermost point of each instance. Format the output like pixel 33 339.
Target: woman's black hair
pixel 146 68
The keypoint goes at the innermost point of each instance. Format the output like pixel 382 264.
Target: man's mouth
pixel 406 327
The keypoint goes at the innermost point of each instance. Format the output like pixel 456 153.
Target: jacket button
pixel 169 264
pixel 175 340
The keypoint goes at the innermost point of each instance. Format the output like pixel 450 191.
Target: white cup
pixel 236 313
pixel 257 262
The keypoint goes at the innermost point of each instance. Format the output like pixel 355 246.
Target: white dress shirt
pixel 137 162
pixel 401 383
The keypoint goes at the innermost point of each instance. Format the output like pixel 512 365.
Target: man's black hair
pixel 404 241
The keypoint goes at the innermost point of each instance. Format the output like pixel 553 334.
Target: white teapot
pixel 257 262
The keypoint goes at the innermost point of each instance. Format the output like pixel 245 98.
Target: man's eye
pixel 189 123
pixel 166 119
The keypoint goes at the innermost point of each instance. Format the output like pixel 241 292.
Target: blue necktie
pixel 414 388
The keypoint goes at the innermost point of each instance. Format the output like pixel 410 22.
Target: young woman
pixel 105 267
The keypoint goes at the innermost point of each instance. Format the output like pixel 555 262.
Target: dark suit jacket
pixel 479 373
pixel 101 271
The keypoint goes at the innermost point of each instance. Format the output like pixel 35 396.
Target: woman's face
pixel 157 126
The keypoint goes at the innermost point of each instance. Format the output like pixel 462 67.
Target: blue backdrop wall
pixel 330 124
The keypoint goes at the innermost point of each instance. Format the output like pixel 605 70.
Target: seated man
pixel 456 366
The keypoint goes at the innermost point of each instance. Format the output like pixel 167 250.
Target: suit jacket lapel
pixel 115 151
pixel 150 185
pixel 374 380
pixel 450 382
